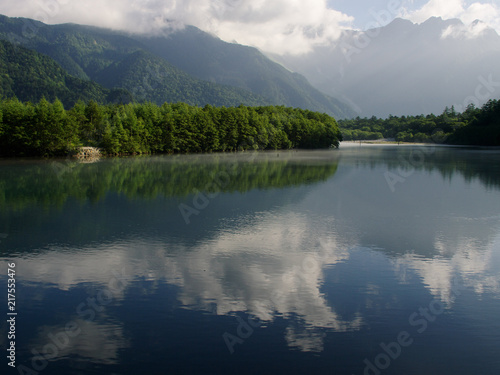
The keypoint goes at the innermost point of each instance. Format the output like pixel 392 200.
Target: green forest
pixel 474 126
pixel 74 62
pixel 48 129
pixel 29 76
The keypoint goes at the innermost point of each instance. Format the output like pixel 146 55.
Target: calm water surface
pixel 364 260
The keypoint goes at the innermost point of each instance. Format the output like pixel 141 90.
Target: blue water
pixel 363 260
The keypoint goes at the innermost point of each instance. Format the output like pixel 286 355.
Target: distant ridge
pixel 97 56
pixel 207 70
pixel 405 68
pixel 208 57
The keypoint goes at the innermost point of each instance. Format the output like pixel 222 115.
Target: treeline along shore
pixel 48 129
pixel 474 126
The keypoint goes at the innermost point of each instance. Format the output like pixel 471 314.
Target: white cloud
pixel 465 31
pixel 294 25
pixel 101 342
pixel 279 26
pixel 489 13
pixel 436 8
pixel 270 267
pixel 470 265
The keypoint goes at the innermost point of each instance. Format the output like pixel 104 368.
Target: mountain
pixel 117 61
pixel 188 65
pixel 29 76
pixel 209 58
pixel 405 68
pixel 149 77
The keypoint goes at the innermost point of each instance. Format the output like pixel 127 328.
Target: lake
pixel 373 259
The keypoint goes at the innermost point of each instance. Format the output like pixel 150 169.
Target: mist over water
pixel 362 260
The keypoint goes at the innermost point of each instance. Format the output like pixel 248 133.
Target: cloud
pixel 462 31
pixel 279 26
pixel 436 8
pixel 489 13
pixel 100 342
pixel 228 272
pixel 294 25
pixel 461 258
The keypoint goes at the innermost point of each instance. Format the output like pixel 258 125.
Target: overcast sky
pixel 280 26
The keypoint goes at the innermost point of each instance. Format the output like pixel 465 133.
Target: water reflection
pixel 52 183
pixel 315 246
pixel 469 260
pixel 98 342
pixel 272 267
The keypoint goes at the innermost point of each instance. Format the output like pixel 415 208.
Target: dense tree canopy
pixel 47 129
pixel 188 66
pixel 474 126
pixel 29 76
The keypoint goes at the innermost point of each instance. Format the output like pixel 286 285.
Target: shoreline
pixel 394 143
pixel 367 143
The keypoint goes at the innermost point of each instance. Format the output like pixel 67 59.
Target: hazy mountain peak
pixel 399 24
pixel 436 25
pixel 433 20
pixel 474 30
pixel 408 68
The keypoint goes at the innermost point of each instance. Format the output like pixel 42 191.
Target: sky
pixel 276 26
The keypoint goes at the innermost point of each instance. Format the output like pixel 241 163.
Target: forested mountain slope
pixel 29 76
pixel 107 57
